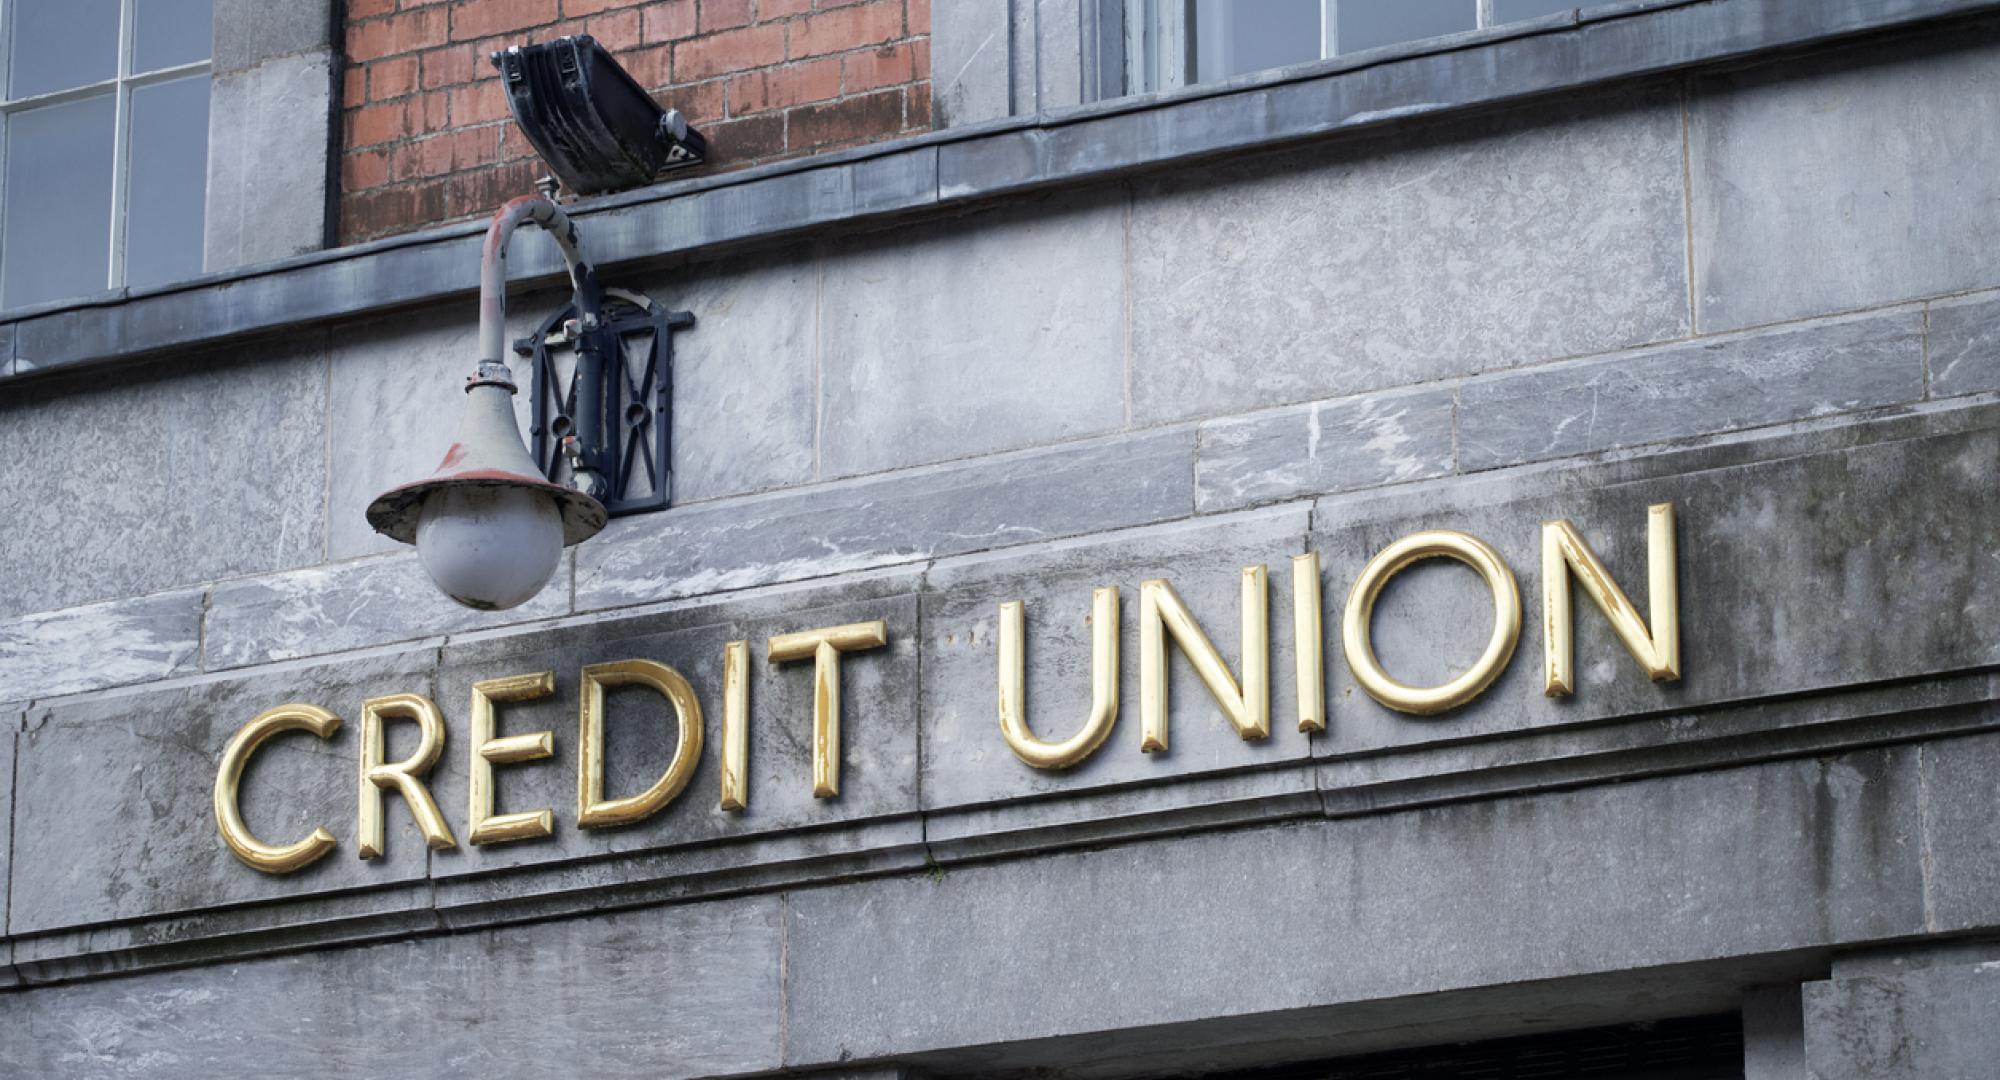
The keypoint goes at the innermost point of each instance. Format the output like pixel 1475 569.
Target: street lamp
pixel 489 527
pixel 491 523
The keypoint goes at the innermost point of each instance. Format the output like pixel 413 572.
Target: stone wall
pixel 1686 289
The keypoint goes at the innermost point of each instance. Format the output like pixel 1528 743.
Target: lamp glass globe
pixel 489 547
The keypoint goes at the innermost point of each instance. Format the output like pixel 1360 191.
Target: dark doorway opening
pixel 1707 1048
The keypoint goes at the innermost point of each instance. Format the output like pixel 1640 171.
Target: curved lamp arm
pixel 493 276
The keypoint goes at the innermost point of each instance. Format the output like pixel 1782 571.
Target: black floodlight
pixel 597 129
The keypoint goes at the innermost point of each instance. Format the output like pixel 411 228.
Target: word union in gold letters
pixel 1567 561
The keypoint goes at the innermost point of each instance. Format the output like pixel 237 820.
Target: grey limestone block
pixel 396 392
pixel 266 197
pixel 971 55
pixel 1935 1023
pixel 1963 338
pixel 10 722
pixel 1845 180
pixel 967 763
pixel 1250 921
pixel 248 33
pixel 101 645
pixel 672 991
pixel 113 814
pixel 878 777
pixel 1774 1033
pixel 205 468
pixel 990 332
pixel 743 408
pixel 1962 832
pixel 882 521
pixel 1325 446
pixel 1401 259
pixel 351 605
pixel 1678 391
pixel 1789 568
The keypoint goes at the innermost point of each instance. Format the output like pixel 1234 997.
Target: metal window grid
pixel 1157 36
pixel 121 85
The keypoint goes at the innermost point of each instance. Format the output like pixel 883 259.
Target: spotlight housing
pixel 596 128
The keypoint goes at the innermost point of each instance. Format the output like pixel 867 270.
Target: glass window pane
pixel 1506 11
pixel 169 173
pixel 58 44
pixel 1231 37
pixel 1368 24
pixel 166 33
pixel 55 235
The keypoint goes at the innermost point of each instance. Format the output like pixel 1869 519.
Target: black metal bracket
pixel 603 398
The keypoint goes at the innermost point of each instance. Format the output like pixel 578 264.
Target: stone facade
pixel 1730 256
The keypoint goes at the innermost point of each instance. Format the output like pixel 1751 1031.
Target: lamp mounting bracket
pixel 603 399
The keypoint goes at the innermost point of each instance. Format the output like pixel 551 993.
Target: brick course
pixel 428 137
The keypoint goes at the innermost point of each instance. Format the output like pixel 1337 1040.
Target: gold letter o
pixel 1393 560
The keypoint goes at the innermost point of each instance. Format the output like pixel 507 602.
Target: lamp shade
pixel 487 525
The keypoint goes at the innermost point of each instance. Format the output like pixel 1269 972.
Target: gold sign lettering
pixel 1308 643
pixel 592 808
pixel 825 646
pixel 483 826
pixel 1163 617
pixel 377 778
pixel 1393 560
pixel 256 854
pixel 1014 729
pixel 1565 552
pixel 1162 613
pixel 735 726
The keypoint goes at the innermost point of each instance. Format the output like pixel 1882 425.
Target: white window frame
pixel 1156 40
pixel 121 86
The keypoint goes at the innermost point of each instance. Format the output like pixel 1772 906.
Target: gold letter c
pixel 271 859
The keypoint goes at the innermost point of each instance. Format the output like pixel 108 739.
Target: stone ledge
pixel 957 166
pixel 180 900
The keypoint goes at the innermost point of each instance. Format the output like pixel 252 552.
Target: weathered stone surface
pixel 1933 1023
pixel 395 396
pixel 248 32
pixel 202 469
pixel 101 645
pixel 1962 832
pixel 1793 218
pixel 685 990
pixel 1398 260
pixel 840 528
pixel 1771 554
pixel 743 374
pixel 1964 344
pixel 1773 1034
pixel 350 605
pixel 1683 390
pixel 10 723
pixel 970 51
pixel 966 762
pixel 878 777
pixel 991 332
pixel 113 815
pixel 267 170
pixel 1325 446
pixel 1228 924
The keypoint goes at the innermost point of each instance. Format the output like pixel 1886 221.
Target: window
pixel 105 166
pixel 1175 43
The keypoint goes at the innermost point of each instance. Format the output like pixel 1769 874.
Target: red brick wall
pixel 428 138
